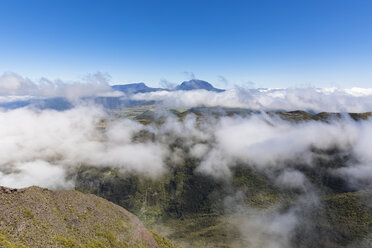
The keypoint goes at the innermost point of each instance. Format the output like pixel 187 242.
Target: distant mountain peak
pixel 141 84
pixel 134 88
pixel 196 84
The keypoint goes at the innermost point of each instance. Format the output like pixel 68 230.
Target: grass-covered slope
pixel 37 217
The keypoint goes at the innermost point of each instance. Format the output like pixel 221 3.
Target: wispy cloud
pixel 12 84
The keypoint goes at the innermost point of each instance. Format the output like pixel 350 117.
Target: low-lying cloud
pixel 263 143
pixel 309 99
pixel 45 147
pixel 74 137
pixel 64 140
pixel 15 87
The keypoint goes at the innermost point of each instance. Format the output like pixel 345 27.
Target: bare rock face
pixel 37 217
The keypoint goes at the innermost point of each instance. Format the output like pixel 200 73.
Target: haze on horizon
pixel 269 43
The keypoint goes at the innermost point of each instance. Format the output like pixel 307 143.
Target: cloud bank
pixel 88 135
pixel 38 146
pixel 15 87
pixel 311 99
pixel 45 147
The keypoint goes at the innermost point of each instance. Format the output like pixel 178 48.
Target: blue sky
pixel 263 43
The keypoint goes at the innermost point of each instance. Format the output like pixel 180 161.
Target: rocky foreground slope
pixel 37 217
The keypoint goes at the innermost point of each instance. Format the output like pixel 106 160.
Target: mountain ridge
pixel 134 88
pixel 193 84
pixel 196 84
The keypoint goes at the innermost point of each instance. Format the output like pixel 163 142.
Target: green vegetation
pixel 68 243
pixel 181 192
pixel 4 242
pixel 186 206
pixel 28 214
pixel 161 241
pixel 146 114
pixel 190 208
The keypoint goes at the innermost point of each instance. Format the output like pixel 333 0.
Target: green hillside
pixel 37 217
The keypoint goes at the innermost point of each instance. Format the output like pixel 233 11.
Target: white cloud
pixel 318 100
pixel 12 84
pixel 39 173
pixel 291 179
pixel 66 140
pixel 272 143
pixel 359 170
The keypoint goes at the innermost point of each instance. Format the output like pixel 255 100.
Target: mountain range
pixel 109 102
pixel 194 84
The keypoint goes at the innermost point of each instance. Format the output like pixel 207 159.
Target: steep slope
pixel 37 217
pixel 186 207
